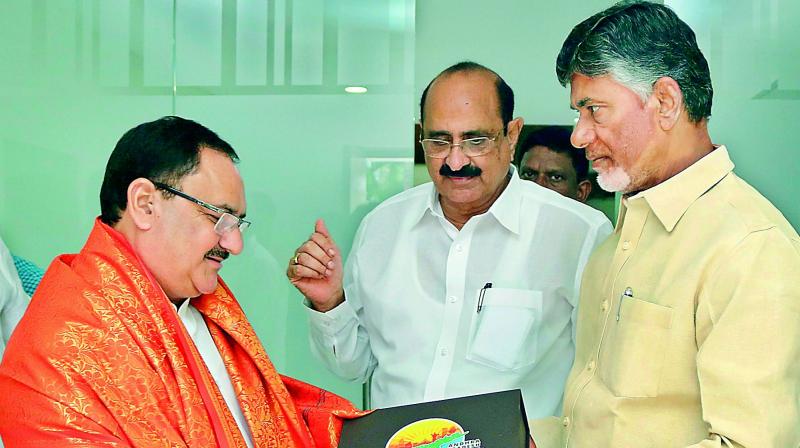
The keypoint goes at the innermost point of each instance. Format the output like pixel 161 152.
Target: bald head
pixel 504 94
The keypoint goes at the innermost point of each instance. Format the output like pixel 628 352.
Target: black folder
pixel 493 420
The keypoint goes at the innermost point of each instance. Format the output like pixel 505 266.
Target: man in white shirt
pixel 13 299
pixel 465 285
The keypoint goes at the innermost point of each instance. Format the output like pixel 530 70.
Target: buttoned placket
pixel 455 278
pixel 631 224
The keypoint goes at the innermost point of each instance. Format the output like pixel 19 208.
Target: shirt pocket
pixel 633 357
pixel 504 333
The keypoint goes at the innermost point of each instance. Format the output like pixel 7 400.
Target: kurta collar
pixel 505 209
pixel 670 199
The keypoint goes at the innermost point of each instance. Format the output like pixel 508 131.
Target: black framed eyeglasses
pixel 226 221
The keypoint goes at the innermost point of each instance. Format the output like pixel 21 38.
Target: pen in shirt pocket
pixel 628 293
pixel 481 294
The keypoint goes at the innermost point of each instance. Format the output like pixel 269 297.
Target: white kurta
pixel 13 299
pixel 412 285
pixel 198 330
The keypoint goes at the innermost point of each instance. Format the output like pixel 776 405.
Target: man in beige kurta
pixel 689 319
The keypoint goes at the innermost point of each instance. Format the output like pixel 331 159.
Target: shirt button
pixel 453 299
pixel 604 305
pixel 459 248
pixel 590 366
pixel 626 245
pixel 443 352
pixel 565 421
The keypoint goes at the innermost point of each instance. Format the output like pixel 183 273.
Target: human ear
pixel 142 203
pixel 669 96
pixel 514 129
pixel 584 189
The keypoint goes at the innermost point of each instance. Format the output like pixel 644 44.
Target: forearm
pixel 341 343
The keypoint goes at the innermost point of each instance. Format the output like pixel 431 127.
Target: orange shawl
pixel 102 359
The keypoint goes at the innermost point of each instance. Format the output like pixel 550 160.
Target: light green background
pixel 269 78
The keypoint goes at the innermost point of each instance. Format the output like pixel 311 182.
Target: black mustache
pixel 465 171
pixel 218 252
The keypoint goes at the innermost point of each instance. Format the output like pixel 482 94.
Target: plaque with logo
pixel 490 420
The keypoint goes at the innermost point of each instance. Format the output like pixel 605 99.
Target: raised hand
pixel 316 269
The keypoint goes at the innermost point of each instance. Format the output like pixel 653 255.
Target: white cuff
pixel 333 321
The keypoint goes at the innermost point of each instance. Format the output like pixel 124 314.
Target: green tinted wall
pixel 753 51
pixel 269 77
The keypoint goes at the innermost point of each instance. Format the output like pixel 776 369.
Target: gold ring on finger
pixel 295 259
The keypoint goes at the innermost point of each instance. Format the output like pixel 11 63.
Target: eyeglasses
pixel 471 147
pixel 226 221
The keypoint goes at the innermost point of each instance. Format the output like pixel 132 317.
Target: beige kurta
pixel 704 349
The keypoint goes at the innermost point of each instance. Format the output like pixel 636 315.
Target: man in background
pixel 550 160
pixel 689 321
pixel 29 274
pixel 13 299
pixel 461 286
pixel 136 341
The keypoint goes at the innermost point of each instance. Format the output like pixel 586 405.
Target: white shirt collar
pixel 505 209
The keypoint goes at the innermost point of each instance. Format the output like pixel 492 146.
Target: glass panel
pixel 61 37
pixel 158 43
pixel 753 51
pixel 199 43
pixel 364 42
pixel 113 62
pixel 279 32
pixel 307 29
pixel 251 42
pixel 66 101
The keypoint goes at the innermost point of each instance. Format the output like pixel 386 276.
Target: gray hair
pixel 636 43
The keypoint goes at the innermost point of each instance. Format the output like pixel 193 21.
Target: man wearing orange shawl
pixel 135 342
